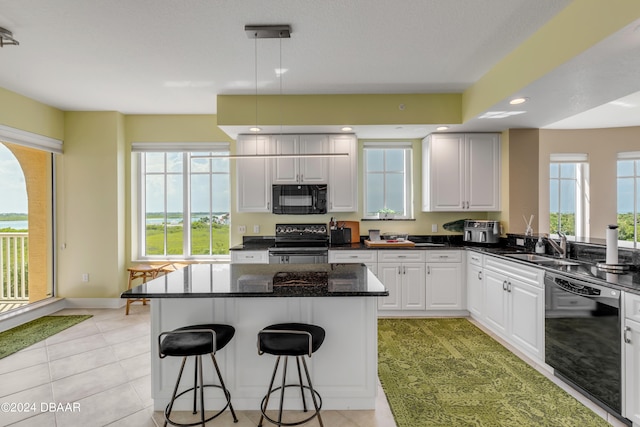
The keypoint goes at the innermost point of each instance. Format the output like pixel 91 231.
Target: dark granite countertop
pixel 262 280
pixel 582 270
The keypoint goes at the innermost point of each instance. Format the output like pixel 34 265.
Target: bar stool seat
pixel 196 340
pixel 297 340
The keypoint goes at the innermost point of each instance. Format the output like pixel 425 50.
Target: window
pixel 184 203
pixel 569 194
pixel 387 169
pixel 628 198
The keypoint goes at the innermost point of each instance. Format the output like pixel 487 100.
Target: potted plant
pixel 386 213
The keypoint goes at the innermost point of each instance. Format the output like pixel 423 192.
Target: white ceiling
pixel 175 56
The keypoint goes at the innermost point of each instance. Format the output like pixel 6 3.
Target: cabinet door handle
pixel 508 286
pixel 428 270
pixel 504 285
pixel 626 338
pixel 301 177
pixel 399 270
pixel 353 256
pixel 479 275
pixel 404 270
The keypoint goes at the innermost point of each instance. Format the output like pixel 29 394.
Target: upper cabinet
pixel 343 174
pixel 301 170
pixel 253 175
pixel 461 172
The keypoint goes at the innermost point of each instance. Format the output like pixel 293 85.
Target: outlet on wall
pixel 242 229
pixel 256 228
pixel 85 277
pixel 434 228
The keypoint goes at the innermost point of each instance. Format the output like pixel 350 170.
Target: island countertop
pixel 262 280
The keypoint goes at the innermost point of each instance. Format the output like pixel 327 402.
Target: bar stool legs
pixel 198 386
pixel 315 396
pixel 291 340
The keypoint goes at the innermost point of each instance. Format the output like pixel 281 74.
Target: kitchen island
pixel 341 298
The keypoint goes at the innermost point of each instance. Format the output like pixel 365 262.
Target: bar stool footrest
pixel 199 422
pixel 296 423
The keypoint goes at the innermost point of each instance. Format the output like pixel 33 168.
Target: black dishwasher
pixel 582 337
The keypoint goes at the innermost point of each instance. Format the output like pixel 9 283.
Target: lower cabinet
pixel 444 285
pixel 406 285
pixel 475 284
pixel 514 304
pixel 631 335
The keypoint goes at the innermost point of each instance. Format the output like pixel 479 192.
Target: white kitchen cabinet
pixel 461 172
pixel 631 372
pixel 444 284
pixel 347 256
pixel 312 170
pixel 253 175
pixel 403 274
pixel 475 284
pixel 250 257
pixel 343 174
pixel 514 304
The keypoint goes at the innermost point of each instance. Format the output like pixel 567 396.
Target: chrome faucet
pixel 561 249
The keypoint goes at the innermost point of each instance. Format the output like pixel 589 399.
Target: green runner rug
pixel 447 372
pixel 23 336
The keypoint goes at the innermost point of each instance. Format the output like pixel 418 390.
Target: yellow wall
pixel 306 110
pixel 91 206
pixel 523 179
pixel 26 114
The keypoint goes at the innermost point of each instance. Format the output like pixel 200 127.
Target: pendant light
pixel 268 32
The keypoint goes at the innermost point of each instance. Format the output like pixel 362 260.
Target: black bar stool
pixel 291 339
pixel 196 340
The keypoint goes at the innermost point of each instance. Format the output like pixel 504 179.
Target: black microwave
pixel 295 199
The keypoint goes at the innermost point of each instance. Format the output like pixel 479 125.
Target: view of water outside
pixel 13 203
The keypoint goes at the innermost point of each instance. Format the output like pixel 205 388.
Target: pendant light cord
pixel 255 53
pixel 280 78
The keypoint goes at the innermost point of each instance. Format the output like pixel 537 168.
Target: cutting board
pixel 355 229
pixel 385 244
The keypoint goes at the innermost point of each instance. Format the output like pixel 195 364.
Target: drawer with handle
pixel 444 256
pixel 249 257
pixel 347 256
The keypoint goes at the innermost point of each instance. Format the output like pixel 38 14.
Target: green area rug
pixel 23 336
pixel 447 372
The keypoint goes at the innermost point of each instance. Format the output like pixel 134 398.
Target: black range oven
pixel 582 337
pixel 300 244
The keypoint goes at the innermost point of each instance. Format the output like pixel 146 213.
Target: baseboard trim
pixel 95 302
pixel 31 312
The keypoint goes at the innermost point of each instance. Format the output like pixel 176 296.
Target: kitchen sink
pixel 542 260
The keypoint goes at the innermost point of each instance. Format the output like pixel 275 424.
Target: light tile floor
pixel 102 366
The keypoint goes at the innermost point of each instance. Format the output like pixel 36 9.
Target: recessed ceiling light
pixel 347 129
pixel 516 101
pixel 254 129
pixel 442 128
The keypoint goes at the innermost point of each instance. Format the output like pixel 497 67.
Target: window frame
pixel 582 213
pixel 635 157
pixel 407 147
pixel 187 150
